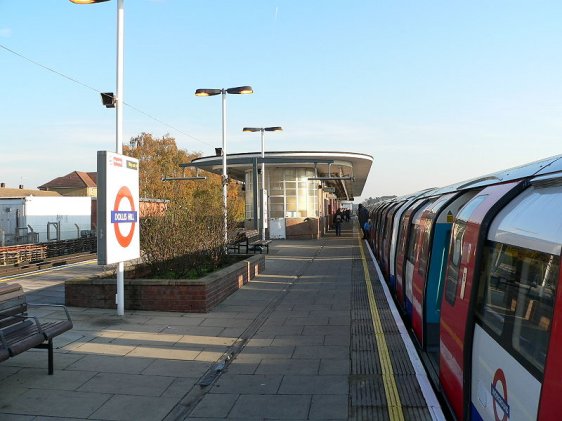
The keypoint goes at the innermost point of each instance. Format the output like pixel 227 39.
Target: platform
pixel 312 337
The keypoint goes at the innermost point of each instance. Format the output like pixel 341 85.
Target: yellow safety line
pixel 391 391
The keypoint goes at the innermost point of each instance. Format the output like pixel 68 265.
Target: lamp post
pixel 262 199
pixel 118 104
pixel 212 92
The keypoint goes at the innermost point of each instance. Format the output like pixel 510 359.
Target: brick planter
pixel 184 295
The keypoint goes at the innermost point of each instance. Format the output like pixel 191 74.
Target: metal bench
pixel 20 331
pixel 242 238
pixel 259 245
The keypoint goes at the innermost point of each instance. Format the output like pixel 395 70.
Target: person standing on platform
pixel 367 229
pixel 338 219
pixel 363 215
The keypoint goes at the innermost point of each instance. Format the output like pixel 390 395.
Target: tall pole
pixel 119 140
pixel 224 173
pixel 223 92
pixel 262 199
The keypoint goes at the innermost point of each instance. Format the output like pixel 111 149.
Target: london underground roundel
pixel 117 208
pixel 121 217
pixel 499 395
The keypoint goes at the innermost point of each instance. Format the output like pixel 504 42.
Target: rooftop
pixel 11 193
pixel 346 171
pixel 73 180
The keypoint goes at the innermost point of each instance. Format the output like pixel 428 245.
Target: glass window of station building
pixel 290 193
pixel 302 191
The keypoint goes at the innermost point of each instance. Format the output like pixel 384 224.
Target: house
pixel 76 183
pixel 79 183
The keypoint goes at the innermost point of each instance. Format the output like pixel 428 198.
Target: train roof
pixel 541 167
pixel 532 219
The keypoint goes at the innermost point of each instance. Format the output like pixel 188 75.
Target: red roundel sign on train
pixel 119 217
pixel 499 395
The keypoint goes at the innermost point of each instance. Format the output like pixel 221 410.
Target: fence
pixel 31 253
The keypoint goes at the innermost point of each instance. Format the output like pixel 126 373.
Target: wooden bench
pixel 20 331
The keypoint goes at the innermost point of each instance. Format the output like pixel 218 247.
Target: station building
pixel 302 189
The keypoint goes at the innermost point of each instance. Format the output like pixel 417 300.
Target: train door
pixel 374 216
pixel 514 308
pixel 425 234
pixel 403 244
pixel 429 271
pixel 387 235
pixel 377 223
pixel 381 228
pixel 394 242
pixel 414 255
pixel 457 306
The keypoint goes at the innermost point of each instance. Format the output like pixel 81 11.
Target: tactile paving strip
pixel 367 390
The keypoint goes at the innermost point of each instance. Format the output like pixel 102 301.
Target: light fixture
pixel 87 1
pixel 240 90
pixel 263 212
pixel 108 99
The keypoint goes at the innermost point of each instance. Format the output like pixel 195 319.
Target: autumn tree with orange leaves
pixel 188 236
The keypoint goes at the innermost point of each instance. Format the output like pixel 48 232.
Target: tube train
pixel 474 268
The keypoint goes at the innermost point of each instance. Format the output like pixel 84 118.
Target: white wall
pixel 67 211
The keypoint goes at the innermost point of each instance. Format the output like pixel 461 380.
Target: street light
pixel 87 1
pixel 117 102
pixel 212 92
pixel 262 199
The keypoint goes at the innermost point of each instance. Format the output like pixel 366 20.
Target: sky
pixel 435 91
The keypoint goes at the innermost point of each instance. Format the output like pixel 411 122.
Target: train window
pixel 424 248
pixel 455 248
pixel 412 243
pixel 454 262
pixel 516 300
pixel 470 206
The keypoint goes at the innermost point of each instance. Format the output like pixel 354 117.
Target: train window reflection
pixel 454 262
pixel 425 228
pixel 516 300
pixel 470 206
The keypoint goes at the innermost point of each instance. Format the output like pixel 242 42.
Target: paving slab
pixel 215 405
pixel 288 367
pixel 334 366
pixel 319 385
pixel 251 407
pixel 259 384
pixel 34 378
pixel 110 364
pixel 329 407
pixel 180 387
pixel 127 384
pixel 57 403
pixel 321 351
pixel 136 408
pixel 176 368
pixel 298 340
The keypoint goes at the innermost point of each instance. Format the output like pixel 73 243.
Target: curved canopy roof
pixel 345 171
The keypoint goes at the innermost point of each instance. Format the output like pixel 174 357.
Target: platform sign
pixel 118 208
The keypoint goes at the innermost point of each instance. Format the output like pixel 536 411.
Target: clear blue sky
pixel 436 91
